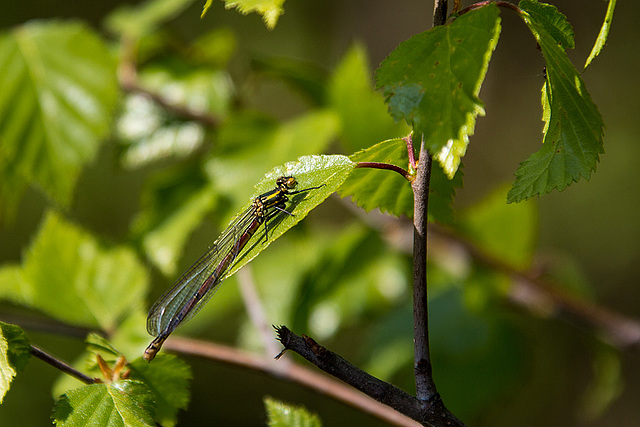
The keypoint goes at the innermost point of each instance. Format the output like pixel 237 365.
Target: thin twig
pixel 255 310
pixel 300 375
pixel 60 365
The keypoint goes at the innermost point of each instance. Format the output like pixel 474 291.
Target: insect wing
pixel 172 303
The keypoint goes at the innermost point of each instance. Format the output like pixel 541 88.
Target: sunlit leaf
pixel 362 111
pixel 149 133
pixel 573 130
pixel 214 47
pixel 280 414
pixel 56 106
pixel 554 23
pixel 269 9
pixel 352 277
pixel 250 143
pixel 120 403
pixel 602 35
pixel 168 378
pixel 67 274
pixel 173 205
pixel 326 171
pixel 15 351
pixel 433 80
pixel 136 21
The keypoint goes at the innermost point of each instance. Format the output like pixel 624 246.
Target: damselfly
pixel 194 288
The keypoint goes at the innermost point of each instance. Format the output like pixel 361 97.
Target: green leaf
pixel 305 77
pixel 352 277
pixel 87 362
pixel 392 193
pixel 253 139
pixel 15 351
pixel 19 345
pixel 602 35
pixel 507 232
pixel 433 79
pixel 148 133
pixel 55 107
pixel 136 21
pixel 120 403
pixel 573 130
pixel 554 23
pixel 310 171
pixel 269 9
pixel 68 275
pixel 214 48
pixel 174 204
pixel 280 414
pixel 168 379
pixel 362 111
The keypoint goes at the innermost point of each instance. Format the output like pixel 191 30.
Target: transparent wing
pixel 169 308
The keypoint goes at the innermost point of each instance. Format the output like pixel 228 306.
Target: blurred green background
pixel 593 225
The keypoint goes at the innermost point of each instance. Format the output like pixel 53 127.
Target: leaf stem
pixel 387 166
pixel 410 150
pixel 59 364
pixel 503 4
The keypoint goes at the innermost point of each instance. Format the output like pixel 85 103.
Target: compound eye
pixel 291 182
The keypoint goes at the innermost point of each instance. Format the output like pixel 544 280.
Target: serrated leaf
pixel 15 351
pixel 549 17
pixel 328 171
pixel 603 34
pixel 136 21
pixel 507 232
pixel 269 9
pixel 573 130
pixel 120 403
pixel 68 275
pixel 55 106
pixel 362 111
pixel 433 80
pixel 168 379
pixel 19 351
pixel 280 414
pixel 392 193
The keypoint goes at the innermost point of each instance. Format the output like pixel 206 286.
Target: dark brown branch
pixel 432 414
pixel 300 375
pixel 60 365
pixel 425 387
pixel 385 166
